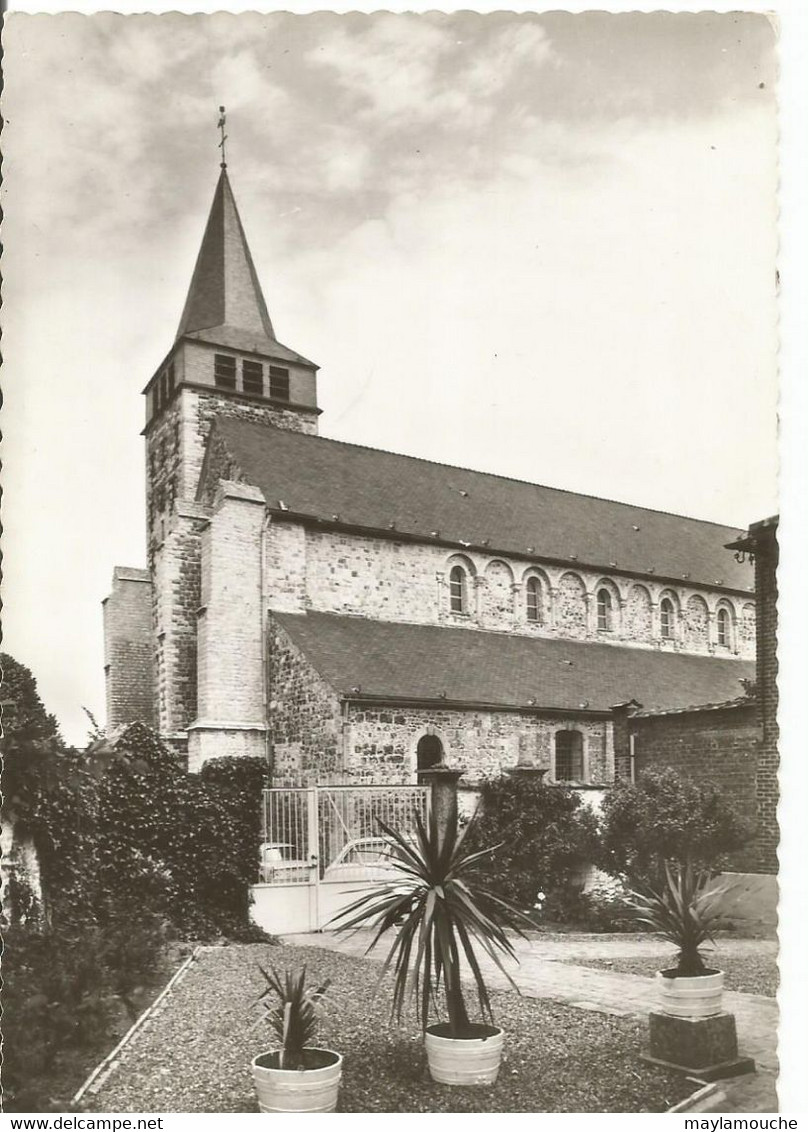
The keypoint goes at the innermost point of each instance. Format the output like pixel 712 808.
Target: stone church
pixel 355 615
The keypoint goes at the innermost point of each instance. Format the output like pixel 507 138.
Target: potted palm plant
pixel 683 911
pixel 297 1077
pixel 439 915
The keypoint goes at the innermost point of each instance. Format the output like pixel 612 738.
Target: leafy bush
pixel 543 835
pixel 131 849
pixel 59 991
pixel 605 907
pixel 665 816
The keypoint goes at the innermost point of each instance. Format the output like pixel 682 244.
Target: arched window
pixel 724 627
pixel 569 756
pixel 458 590
pixel 667 618
pixel 604 610
pixel 533 595
pixel 429 752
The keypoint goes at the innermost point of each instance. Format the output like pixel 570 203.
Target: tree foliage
pixel 667 817
pixel 132 849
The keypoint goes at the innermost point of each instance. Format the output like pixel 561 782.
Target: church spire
pixel 224 290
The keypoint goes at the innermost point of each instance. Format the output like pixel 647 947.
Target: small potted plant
pixel 683 911
pixel 297 1077
pixel 438 914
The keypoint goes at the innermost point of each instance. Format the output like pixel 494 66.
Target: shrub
pixel 605 907
pixel 665 816
pixel 60 986
pixel 544 835
pixel 54 999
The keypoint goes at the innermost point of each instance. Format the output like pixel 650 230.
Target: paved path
pixel 540 974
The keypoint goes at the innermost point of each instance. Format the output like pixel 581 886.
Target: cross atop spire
pixel 222 122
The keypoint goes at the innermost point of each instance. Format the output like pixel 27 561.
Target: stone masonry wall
pixel 175 447
pixel 304 714
pixel 175 570
pixel 389 579
pixel 128 649
pixel 230 662
pixel 381 742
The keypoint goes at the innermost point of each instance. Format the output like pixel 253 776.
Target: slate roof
pixel 368 488
pixel 224 287
pixel 420 662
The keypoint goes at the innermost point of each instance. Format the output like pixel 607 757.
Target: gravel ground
pixel 750 974
pixel 194 1055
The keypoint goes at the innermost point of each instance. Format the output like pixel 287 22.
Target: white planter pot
pixel 464 1061
pixel 298 1090
pixel 697 996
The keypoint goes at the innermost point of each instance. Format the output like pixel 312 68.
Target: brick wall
pixel 128 648
pixel 719 746
pixel 766 561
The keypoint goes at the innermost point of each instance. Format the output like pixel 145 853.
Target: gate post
pixel 442 782
pixel 313 846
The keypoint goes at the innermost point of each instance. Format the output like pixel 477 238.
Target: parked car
pixel 363 859
pixel 279 863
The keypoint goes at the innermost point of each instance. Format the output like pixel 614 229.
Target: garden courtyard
pixel 574 1035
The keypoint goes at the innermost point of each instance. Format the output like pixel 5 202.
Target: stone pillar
pixel 442 781
pixel 552 610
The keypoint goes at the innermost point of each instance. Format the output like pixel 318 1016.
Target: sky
pixel 539 245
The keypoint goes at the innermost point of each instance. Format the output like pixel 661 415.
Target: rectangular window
pixel 279 383
pixel 170 372
pixel 252 378
pixel 569 756
pixel 164 388
pixel 224 371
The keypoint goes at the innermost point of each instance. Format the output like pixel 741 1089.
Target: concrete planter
pixel 298 1090
pixel 697 996
pixel 464 1061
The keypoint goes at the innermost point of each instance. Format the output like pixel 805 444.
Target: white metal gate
pixel 322 847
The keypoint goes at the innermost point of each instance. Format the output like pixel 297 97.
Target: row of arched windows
pixel 669 616
pixel 459 595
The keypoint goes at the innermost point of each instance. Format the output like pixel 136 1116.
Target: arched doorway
pixel 429 752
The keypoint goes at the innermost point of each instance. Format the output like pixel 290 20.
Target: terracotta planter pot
pixel 464 1061
pixel 697 996
pixel 298 1090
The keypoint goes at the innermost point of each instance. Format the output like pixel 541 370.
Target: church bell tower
pixel 225 361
